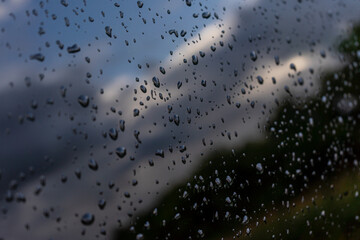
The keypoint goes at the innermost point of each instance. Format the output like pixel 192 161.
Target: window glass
pixel 179 119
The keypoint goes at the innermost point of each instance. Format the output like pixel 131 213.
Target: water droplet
pixel 121 152
pixel 87 219
pixel 102 203
pixel 277 60
pixel 203 83
pixel 228 179
pixel 259 167
pixel 140 4
pixel 83 100
pixel 78 173
pixel 64 3
pixel 201 233
pixel 323 213
pixel 156 82
pixel 151 162
pixel 136 112
pixel 176 119
pixel 301 81
pixel 143 88
pixel 253 56
pixel 139 236
pixel 93 164
pixel 245 220
pixel 323 53
pixel 218 181
pixel 179 84
pixel 160 153
pixel 108 31
pixel 195 59
pixel 162 70
pixel 206 15
pixel 37 56
pixel 73 49
pixel 113 133
pixel 134 182
pixel 136 135
pixel 292 67
pixel 260 79
pixel 122 125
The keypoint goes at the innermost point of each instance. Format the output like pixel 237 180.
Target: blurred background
pixel 179 119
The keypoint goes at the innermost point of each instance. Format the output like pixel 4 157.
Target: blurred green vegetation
pixel 327 213
pixel 308 183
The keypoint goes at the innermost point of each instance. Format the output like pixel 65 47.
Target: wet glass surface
pixel 179 119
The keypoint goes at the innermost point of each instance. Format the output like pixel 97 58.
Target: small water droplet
pixel 253 56
pixel 203 83
pixel 136 112
pixel 122 125
pixel 162 70
pixel 301 81
pixel 93 164
pixel 143 88
pixel 176 119
pixel 206 15
pixel 83 100
pixel 140 4
pixel 102 203
pixel 160 153
pixel 260 79
pixel 139 236
pixel 259 167
pixel 113 133
pixel 73 49
pixel 156 82
pixel 37 56
pixel 121 152
pixel 195 59
pixel 87 219
pixel 108 31
pixel 277 60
